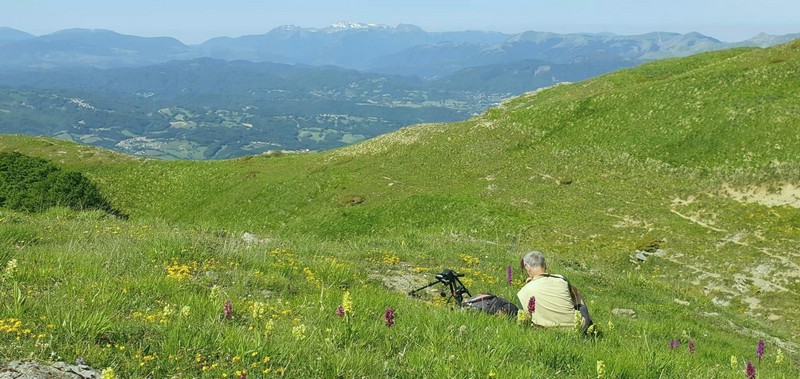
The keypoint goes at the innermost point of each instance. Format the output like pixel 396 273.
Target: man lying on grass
pixel 550 300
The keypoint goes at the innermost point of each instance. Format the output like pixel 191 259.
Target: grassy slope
pixel 584 172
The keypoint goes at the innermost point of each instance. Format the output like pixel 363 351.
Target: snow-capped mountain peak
pixel 355 25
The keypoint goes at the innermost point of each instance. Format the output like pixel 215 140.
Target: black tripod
pixel 451 279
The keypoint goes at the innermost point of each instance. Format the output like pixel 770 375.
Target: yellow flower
pixel 8 272
pixel 601 370
pixel 269 326
pixel 610 325
pixel 578 321
pixel 779 357
pixel 347 303
pixel 310 277
pixel 299 332
pixel 522 317
pixel 734 362
pixel 11 326
pixel 215 290
pixel 108 373
pixel 492 374
pixel 258 309
pixel 178 272
pixel 168 310
pixel 390 259
pixel 470 260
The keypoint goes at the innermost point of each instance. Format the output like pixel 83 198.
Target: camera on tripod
pixel 450 279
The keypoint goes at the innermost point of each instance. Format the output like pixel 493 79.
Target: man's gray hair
pixel 535 259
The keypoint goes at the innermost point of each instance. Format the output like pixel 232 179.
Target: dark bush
pixel 32 184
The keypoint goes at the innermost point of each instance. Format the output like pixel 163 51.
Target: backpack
pixel 573 294
pixel 491 304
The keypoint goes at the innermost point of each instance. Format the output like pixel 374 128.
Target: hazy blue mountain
pixel 446 58
pixel 471 36
pixel 428 60
pixel 522 76
pixel 767 40
pixel 91 48
pixel 409 50
pixel 393 50
pixel 350 45
pixel 9 34
pixel 211 78
pixel 561 48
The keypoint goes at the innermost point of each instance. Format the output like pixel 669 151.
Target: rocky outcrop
pixel 58 370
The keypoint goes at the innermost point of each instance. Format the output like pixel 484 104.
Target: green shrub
pixel 32 184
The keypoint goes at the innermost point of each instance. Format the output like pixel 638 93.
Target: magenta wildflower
pixel 509 278
pixel 227 310
pixel 340 311
pixel 691 346
pixel 532 304
pixel 79 362
pixel 751 371
pixel 674 344
pixel 389 316
pixel 760 350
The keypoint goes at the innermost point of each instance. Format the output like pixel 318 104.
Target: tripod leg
pixel 422 288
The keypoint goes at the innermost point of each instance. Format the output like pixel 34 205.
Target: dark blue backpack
pixel 491 304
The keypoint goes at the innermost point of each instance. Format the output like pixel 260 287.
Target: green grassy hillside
pixel 695 159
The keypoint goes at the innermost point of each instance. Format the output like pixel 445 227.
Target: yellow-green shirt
pixel 553 303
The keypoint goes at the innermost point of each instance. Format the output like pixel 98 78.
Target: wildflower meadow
pixel 264 266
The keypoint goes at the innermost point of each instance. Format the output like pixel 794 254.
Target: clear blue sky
pixel 194 21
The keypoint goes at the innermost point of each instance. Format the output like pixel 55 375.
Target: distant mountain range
pixel 292 88
pixel 401 49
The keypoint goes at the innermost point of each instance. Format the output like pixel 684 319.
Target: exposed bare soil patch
pixel 786 194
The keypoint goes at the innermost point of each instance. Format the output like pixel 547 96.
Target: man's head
pixel 534 262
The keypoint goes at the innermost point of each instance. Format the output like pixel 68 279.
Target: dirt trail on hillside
pixel 696 220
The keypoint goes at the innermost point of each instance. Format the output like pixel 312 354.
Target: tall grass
pixel 106 291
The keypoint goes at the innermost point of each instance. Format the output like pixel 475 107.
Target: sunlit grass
pixel 106 291
pixel 583 172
